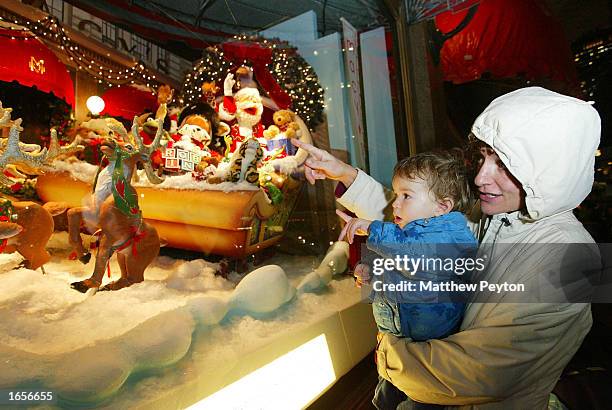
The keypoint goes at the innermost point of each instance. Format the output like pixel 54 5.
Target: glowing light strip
pixel 290 382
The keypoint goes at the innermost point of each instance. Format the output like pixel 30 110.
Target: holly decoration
pixel 6 215
pixel 22 188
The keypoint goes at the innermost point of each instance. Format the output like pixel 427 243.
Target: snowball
pixel 263 290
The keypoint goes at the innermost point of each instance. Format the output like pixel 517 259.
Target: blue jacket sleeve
pixel 378 236
pixel 388 232
pixel 386 238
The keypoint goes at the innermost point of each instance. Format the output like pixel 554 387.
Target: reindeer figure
pixel 25 226
pixel 114 210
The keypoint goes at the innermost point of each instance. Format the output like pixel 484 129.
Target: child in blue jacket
pixel 432 191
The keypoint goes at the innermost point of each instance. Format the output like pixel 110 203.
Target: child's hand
pixel 354 226
pixel 362 274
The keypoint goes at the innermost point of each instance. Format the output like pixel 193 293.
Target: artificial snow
pixel 79 170
pixel 182 322
pixel 186 181
pixel 86 172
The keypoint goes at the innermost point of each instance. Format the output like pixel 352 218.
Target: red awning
pixel 126 102
pixel 29 62
pixel 506 39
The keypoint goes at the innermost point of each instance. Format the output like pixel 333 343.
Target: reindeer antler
pixel 30 158
pixel 119 130
pixel 6 116
pixel 147 150
pixel 32 162
pixel 56 150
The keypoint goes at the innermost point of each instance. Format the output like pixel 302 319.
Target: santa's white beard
pixel 248 120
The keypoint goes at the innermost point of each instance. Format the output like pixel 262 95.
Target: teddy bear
pixel 164 94
pixel 279 135
pixel 209 92
pixel 284 122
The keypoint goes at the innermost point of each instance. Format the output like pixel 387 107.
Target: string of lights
pixel 17 34
pixel 292 73
pixel 104 70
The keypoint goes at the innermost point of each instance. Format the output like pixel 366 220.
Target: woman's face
pixel 499 191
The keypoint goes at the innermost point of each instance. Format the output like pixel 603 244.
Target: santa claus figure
pixel 242 110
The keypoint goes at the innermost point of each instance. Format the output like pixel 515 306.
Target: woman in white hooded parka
pixel 537 151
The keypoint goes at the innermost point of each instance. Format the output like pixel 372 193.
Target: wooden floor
pixel 353 391
pixel 586 382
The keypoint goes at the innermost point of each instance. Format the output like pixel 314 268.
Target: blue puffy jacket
pixel 441 243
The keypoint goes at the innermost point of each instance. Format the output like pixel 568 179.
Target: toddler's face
pixel 413 201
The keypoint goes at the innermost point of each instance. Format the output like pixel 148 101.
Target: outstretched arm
pixel 367 198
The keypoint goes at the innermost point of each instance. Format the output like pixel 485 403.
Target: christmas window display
pixel 213 170
pixel 227 147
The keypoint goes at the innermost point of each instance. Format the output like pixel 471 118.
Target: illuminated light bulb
pixel 95 104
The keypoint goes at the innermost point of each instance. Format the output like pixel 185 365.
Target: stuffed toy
pixel 243 110
pixel 279 135
pixel 244 164
pixel 199 136
pixel 209 92
pixel 285 121
pixel 164 94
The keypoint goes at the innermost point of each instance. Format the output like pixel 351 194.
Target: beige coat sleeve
pixel 509 353
pixel 367 198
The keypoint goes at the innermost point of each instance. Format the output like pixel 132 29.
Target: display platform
pixel 290 370
pixel 184 337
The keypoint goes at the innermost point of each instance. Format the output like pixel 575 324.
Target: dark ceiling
pixel 186 26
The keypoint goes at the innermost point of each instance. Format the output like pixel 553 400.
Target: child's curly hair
pixel 445 173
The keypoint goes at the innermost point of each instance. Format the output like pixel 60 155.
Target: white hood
pixel 547 141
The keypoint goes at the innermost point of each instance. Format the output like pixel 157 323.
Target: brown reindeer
pixel 114 211
pixel 25 226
